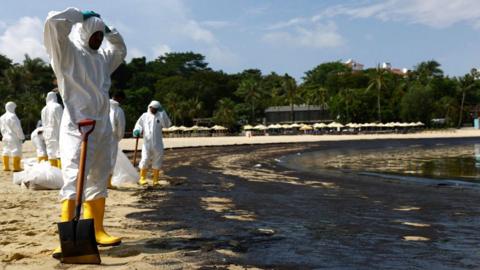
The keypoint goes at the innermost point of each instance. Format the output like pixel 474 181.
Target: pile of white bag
pixel 38 175
pixel 42 175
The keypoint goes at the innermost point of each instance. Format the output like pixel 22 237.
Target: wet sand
pixel 235 207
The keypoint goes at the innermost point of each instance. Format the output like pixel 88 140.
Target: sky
pixel 272 35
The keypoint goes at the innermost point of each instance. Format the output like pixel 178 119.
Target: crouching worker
pixel 83 72
pixel 13 137
pixel 151 124
pixel 39 143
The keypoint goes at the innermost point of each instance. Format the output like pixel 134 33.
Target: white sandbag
pixel 40 176
pixel 20 177
pixel 124 172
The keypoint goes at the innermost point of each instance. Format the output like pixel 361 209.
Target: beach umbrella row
pixel 193 128
pixel 332 125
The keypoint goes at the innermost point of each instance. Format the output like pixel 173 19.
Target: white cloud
pixel 193 29
pixel 134 53
pixel 216 24
pixel 161 50
pixel 318 36
pixel 433 13
pixel 222 56
pixel 291 22
pixel 23 37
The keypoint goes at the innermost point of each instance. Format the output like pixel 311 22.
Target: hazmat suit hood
pixel 87 28
pixel 51 97
pixel 155 104
pixel 10 107
pixel 114 103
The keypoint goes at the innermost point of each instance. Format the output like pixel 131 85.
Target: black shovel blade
pixel 77 239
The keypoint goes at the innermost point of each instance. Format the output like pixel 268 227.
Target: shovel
pixel 77 237
pixel 135 152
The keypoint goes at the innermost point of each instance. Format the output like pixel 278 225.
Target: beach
pixel 227 203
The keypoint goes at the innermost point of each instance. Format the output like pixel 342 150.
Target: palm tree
pixel 289 86
pixel 249 89
pixel 193 107
pixel 378 81
pixel 426 71
pixel 225 113
pixel 174 106
pixel 466 84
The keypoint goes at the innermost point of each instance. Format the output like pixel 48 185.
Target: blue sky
pixel 277 35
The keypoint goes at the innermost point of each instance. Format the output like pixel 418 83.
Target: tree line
pixel 191 91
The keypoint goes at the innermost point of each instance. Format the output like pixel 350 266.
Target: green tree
pixel 225 114
pixel 378 81
pixel 289 86
pixel 250 91
pixel 465 85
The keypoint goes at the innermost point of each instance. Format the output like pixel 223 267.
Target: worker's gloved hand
pixel 136 133
pixel 89 13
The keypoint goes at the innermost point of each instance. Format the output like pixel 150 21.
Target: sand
pixel 235 208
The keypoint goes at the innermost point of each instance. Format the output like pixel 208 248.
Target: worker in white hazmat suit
pixel 117 120
pixel 51 118
pixel 151 124
pixel 39 142
pixel 83 72
pixel 13 137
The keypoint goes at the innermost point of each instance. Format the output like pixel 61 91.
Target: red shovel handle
pixel 81 166
pixel 86 123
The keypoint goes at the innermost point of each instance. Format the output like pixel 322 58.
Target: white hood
pixel 10 107
pixel 51 97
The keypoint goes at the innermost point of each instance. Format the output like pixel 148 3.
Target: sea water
pixel 441 162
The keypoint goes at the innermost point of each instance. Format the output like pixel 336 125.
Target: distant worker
pixel 13 137
pixel 151 124
pixel 117 119
pixel 39 142
pixel 51 119
pixel 83 71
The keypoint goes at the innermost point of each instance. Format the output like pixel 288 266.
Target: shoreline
pixel 235 208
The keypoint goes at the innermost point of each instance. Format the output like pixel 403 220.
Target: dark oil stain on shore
pixel 232 211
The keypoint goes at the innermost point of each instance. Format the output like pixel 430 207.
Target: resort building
pixel 302 113
pixel 355 66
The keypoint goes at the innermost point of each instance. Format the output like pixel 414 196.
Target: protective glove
pixel 89 13
pixel 136 133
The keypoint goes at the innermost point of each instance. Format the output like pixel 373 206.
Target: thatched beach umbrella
pixel 319 125
pixel 260 127
pixel 306 127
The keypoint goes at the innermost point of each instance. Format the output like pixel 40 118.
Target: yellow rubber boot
pixel 68 212
pixel 6 163
pixel 96 209
pixel 156 173
pixel 16 164
pixel 42 158
pixel 143 177
pixel 53 162
pixel 109 185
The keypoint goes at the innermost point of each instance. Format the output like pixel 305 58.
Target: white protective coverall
pixel 51 118
pixel 117 119
pixel 83 77
pixel 12 131
pixel 39 141
pixel 151 125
